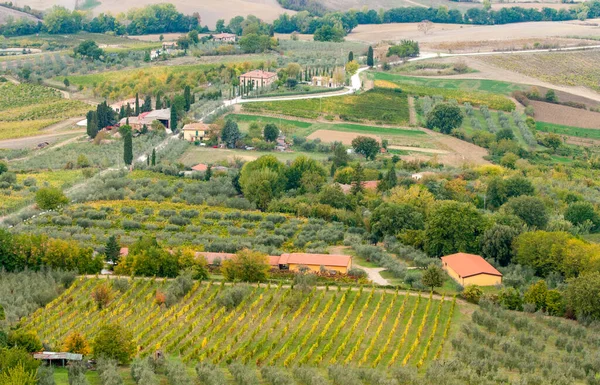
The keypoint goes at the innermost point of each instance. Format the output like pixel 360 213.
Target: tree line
pixel 157 18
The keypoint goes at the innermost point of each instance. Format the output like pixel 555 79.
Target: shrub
pixel 76 343
pixel 50 198
pixel 357 273
pixel 28 342
pixel 472 293
pixel 102 295
pixel 232 297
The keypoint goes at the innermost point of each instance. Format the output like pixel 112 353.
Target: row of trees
pixel 157 18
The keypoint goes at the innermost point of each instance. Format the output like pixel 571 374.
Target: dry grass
pixel 466 33
pixel 504 45
pixel 346 138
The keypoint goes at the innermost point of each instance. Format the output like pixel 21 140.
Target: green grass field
pixel 568 130
pixel 361 328
pixel 195 155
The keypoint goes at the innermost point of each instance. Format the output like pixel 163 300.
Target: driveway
pixel 374 275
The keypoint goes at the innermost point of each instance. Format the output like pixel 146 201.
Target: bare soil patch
pixel 461 152
pixel 338 136
pixel 564 115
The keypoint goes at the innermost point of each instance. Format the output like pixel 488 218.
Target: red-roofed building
pixel 224 37
pixel 367 185
pixel 293 262
pixel 259 78
pixel 471 269
pixel 200 167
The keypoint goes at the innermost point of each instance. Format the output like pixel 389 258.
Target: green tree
pixel 496 244
pixel 114 342
pixel 352 67
pixel 329 33
pixel 89 50
pixel 173 120
pixel 452 227
pixel 389 181
pixel 518 185
pixel 536 294
pixel 301 166
pixel 127 144
pixel 66 82
pixel 254 43
pixel 406 48
pixel 24 340
pixel 392 219
pixel 358 178
pixel 246 266
pixel 583 295
pixel 444 117
pixel 137 104
pixel 230 133
pixel 579 213
pixel 511 299
pixel 17 375
pixel 153 157
pixel 271 132
pixel 76 372
pixel 112 250
pixel 45 375
pixel 17 357
pixel 367 146
pixel 433 276
pixel 370 61
pixel 350 56
pixel 187 94
pixel 50 198
pixel 495 195
pixel 261 187
pixel 551 96
pixel 530 209
pixel 541 250
pixel 340 155
pixel 92 124
pixel 208 173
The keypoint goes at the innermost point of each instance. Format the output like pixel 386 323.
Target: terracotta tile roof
pixel 367 185
pixel 210 257
pixel 259 74
pixel 200 167
pixel 124 251
pixel 467 265
pixel 198 126
pixel 315 259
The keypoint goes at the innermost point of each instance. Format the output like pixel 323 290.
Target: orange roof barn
pixel 471 269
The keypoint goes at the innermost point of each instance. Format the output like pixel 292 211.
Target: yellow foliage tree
pixel 415 195
pixel 76 343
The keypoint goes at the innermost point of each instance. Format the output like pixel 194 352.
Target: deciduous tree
pixel 247 266
pixel 112 341
pixel 444 117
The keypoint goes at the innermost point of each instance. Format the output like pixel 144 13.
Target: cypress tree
pixel 187 95
pixel 158 102
pixel 137 104
pixel 350 56
pixel 154 157
pixel 357 180
pixel 127 145
pixel 121 112
pixel 370 61
pixel 208 173
pixel 89 122
pixel 112 250
pixel 173 122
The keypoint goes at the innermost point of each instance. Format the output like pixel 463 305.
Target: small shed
pixel 57 358
pixel 471 269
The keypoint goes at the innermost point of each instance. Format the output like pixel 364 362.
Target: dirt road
pixel 33 141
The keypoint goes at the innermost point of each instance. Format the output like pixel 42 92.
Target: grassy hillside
pixel 271 326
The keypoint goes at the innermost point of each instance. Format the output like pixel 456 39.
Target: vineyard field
pixel 476 92
pixel 25 109
pixel 275 326
pixel 381 106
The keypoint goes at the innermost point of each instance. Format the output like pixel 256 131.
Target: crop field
pixel 362 328
pixel 25 109
pixel 22 192
pixel 564 115
pixel 476 92
pixel 215 228
pixel 482 118
pixel 565 68
pixel 382 106
pixel 568 130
